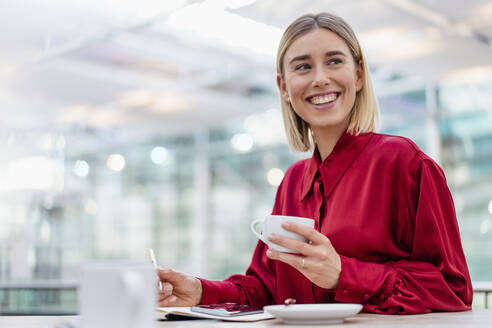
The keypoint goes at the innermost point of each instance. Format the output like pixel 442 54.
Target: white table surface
pixel 477 318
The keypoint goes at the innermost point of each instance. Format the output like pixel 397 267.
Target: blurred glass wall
pixel 193 197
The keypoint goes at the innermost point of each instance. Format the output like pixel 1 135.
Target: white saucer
pixel 316 314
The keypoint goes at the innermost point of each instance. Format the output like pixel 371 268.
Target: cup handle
pixel 132 285
pixel 253 228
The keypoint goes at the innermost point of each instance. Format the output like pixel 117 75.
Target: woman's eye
pixel 334 61
pixel 302 67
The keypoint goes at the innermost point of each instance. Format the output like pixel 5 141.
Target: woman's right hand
pixel 178 289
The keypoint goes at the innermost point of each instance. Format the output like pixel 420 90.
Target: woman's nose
pixel 321 78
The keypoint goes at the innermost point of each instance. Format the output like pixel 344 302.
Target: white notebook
pixel 186 312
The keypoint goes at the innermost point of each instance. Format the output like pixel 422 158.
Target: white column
pixel 434 136
pixel 199 231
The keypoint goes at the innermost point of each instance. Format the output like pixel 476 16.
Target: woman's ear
pixel 282 88
pixel 359 76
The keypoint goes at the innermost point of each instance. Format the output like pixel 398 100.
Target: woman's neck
pixel 326 139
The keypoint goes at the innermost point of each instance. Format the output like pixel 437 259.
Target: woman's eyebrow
pixel 328 54
pixel 298 58
pixel 335 53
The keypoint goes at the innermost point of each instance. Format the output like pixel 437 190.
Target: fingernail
pixel 285 225
pixel 269 253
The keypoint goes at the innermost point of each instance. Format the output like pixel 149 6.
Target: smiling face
pixel 320 80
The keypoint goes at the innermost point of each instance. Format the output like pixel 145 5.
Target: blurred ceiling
pixel 169 67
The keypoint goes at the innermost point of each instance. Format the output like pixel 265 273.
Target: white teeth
pixel 323 99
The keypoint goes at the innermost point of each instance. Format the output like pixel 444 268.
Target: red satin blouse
pixel 387 211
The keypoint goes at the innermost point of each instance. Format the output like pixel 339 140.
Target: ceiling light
pixel 168 102
pixel 210 21
pixel 469 75
pixel 81 168
pixel 75 113
pixel 405 43
pixel 242 142
pixel 274 176
pixel 115 162
pixel 106 117
pixel 159 155
pixel 136 98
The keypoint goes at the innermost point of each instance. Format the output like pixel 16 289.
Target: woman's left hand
pixel 319 261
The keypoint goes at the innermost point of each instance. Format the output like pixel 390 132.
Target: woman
pixel 386 233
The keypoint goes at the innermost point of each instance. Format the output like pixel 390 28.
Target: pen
pixel 154 262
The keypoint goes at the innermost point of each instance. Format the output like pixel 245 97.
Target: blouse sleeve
pixel 256 287
pixel 434 278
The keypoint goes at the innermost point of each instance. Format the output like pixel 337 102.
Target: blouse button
pixel 366 296
pixel 345 292
pixel 382 297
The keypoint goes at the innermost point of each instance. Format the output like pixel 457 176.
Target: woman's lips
pixel 325 101
pixel 323 98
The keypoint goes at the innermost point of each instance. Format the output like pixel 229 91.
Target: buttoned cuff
pixel 359 281
pixel 214 292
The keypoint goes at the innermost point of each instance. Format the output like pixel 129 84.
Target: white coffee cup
pixel 273 224
pixel 118 295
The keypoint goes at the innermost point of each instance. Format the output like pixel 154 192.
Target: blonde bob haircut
pixel 365 111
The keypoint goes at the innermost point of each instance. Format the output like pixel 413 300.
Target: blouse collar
pixel 346 150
